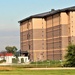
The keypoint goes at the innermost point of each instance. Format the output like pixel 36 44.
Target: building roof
pixel 6 54
pixel 52 12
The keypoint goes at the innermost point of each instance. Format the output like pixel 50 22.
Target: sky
pixel 11 11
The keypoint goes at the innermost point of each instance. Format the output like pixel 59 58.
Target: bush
pixel 70 56
pixel 48 63
pixel 2 61
pixel 22 60
pixel 14 60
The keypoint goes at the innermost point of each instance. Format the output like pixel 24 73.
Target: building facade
pixel 45 36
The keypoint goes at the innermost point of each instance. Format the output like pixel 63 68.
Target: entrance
pixel 25 53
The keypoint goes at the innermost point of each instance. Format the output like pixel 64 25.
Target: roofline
pixel 24 19
pixel 50 13
pixel 29 18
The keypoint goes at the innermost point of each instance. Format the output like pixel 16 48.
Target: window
pixel 29 46
pixel 28 36
pixel 42 35
pixel 28 26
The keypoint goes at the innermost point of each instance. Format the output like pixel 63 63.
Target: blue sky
pixel 11 11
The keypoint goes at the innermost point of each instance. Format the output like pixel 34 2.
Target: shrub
pixel 70 56
pixel 14 60
pixel 22 60
pixel 48 63
pixel 2 61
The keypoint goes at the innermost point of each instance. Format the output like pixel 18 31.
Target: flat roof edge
pixel 42 15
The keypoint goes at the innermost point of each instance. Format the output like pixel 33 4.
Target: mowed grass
pixel 24 71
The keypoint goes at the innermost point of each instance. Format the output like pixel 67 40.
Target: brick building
pixel 45 36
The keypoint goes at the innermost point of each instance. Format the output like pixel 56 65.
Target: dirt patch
pixel 6 68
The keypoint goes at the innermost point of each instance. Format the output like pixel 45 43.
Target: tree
pixel 11 49
pixel 70 56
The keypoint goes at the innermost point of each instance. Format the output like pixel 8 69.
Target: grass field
pixel 24 71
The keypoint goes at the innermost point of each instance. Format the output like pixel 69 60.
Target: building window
pixel 69 41
pixel 69 29
pixel 29 46
pixel 42 35
pixel 28 36
pixel 28 26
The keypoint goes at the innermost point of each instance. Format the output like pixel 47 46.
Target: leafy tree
pixel 17 54
pixel 70 56
pixel 11 49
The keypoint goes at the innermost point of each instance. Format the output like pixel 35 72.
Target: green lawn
pixel 23 71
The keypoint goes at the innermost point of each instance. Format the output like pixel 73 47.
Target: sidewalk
pixel 64 68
